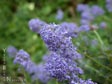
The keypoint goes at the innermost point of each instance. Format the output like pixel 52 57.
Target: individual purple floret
pixel 59 15
pixel 11 50
pixel 109 5
pixel 96 10
pixel 82 7
pixel 22 58
pixel 36 24
pixel 103 25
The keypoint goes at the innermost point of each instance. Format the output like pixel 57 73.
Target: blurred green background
pixel 14 30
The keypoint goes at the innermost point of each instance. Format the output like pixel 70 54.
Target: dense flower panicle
pixel 109 5
pixel 68 50
pixel 61 68
pixel 59 15
pixel 103 25
pixel 56 66
pixel 96 10
pixel 57 40
pixel 22 58
pixel 82 7
pixel 50 37
pixel 35 71
pixel 60 63
pixel 11 50
pixel 36 24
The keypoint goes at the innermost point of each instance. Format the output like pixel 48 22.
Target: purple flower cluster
pixel 22 58
pixel 70 29
pixel 89 13
pixel 82 7
pixel 109 5
pixel 96 10
pixel 83 82
pixel 84 28
pixel 36 24
pixel 59 15
pixel 103 25
pixel 11 50
pixel 60 62
pixel 56 66
pixel 35 71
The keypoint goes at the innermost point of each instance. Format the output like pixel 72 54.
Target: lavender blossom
pixel 103 25
pixel 57 41
pixel 42 74
pixel 96 10
pixel 84 28
pixel 59 15
pixel 82 7
pixel 36 24
pixel 50 37
pixel 87 16
pixel 35 71
pixel 84 22
pixel 11 50
pixel 60 62
pixel 22 58
pixel 57 67
pixel 89 13
pixel 69 27
pixel 109 5
pixel 61 68
pixel 80 81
